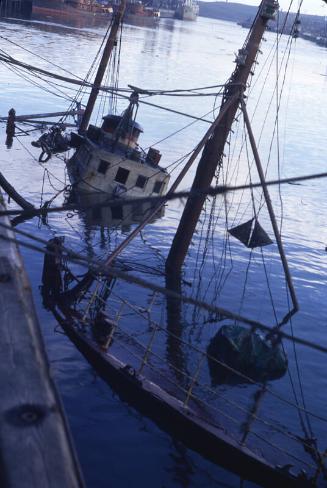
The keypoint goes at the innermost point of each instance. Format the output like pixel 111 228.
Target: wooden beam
pixel 270 209
pixel 36 447
pixel 45 115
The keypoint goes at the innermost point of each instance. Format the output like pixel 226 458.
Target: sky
pixel 314 7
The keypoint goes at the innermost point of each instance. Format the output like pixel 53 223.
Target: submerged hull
pixel 186 423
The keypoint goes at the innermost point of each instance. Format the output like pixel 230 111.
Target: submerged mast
pixel 214 149
pixel 102 66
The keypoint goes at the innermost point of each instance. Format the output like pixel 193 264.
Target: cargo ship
pixel 187 10
pixel 78 13
pixel 19 9
pixel 92 11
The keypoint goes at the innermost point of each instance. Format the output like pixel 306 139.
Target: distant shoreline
pixel 313 26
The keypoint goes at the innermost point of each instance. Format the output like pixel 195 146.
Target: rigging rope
pixel 97 268
pixel 157 327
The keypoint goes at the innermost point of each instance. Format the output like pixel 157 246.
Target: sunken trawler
pixel 236 354
pixel 108 159
pixel 96 309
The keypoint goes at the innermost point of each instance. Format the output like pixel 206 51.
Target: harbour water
pixel 116 445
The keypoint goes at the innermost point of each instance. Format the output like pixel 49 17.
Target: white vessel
pixel 187 10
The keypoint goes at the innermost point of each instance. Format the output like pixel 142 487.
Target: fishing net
pixel 247 352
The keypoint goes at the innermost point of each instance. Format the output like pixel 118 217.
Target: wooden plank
pixel 45 122
pixel 36 448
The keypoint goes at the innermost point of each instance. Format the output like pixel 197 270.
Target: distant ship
pixel 54 9
pixel 178 9
pixel 187 10
pixel 79 13
pixel 88 12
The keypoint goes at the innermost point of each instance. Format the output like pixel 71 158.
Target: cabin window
pixel 117 213
pixel 157 186
pixel 96 213
pixel 111 123
pixel 141 181
pixel 103 166
pixel 122 175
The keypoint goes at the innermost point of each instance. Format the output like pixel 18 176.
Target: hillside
pixel 314 27
pixel 234 12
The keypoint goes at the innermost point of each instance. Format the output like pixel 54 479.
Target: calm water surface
pixel 116 445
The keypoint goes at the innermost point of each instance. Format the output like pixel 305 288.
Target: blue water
pixel 116 445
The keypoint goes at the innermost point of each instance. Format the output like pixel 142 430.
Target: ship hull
pixel 83 15
pixel 66 14
pixel 166 13
pixel 14 9
pixel 186 424
pixel 186 12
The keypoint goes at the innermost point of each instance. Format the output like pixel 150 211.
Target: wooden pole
pixel 49 114
pixel 270 208
pixel 102 66
pixel 214 149
pixel 11 127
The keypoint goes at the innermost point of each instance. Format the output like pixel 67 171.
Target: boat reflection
pixel 95 212
pixel 55 26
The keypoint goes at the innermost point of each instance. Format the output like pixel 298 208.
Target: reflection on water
pixel 95 213
pixel 51 27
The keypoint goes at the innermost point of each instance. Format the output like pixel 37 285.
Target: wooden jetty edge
pixel 36 449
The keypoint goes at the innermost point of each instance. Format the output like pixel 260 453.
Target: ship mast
pixel 213 142
pixel 214 149
pixel 102 66
pixel 212 156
